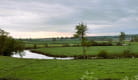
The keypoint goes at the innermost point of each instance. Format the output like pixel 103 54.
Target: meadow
pixel 93 50
pixel 41 69
pixel 34 69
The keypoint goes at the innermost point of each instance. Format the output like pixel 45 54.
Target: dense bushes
pixel 93 43
pixel 125 54
pixel 8 45
pixel 65 45
pixel 103 54
pixel 102 44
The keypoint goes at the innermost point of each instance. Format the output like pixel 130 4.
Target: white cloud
pixel 40 34
pixel 35 16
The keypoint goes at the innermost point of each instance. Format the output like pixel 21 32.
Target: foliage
pixel 46 44
pixel 8 45
pixel 134 38
pixel 66 45
pixel 122 37
pixel 94 43
pixel 103 54
pixel 35 46
pixel 80 33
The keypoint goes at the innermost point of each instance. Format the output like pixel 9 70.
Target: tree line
pixel 9 45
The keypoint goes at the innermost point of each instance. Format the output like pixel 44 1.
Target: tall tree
pixel 8 45
pixel 81 33
pixel 122 37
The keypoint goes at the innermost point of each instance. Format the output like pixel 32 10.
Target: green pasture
pixel 33 69
pixel 73 51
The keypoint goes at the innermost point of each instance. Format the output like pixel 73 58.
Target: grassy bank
pixel 31 69
pixel 75 51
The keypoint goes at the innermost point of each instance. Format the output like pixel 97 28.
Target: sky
pixel 58 18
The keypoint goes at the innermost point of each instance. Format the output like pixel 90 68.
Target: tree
pixel 46 44
pixel 81 33
pixel 8 45
pixel 134 38
pixel 122 37
pixel 35 46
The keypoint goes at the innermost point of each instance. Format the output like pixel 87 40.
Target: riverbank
pixel 64 56
pixel 34 69
pixel 98 52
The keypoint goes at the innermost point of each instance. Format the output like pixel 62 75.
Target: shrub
pixel 35 46
pixel 128 53
pixel 46 44
pixel 75 45
pixel 103 54
pixel 66 45
pixel 118 44
pixel 101 44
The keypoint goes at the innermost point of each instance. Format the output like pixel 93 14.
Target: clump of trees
pixel 122 37
pixel 134 38
pixel 8 45
pixel 81 33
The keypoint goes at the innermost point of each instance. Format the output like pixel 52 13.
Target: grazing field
pixel 31 46
pixel 74 51
pixel 32 69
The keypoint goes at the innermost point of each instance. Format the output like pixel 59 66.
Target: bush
pixel 66 45
pixel 46 45
pixel 75 45
pixel 118 44
pixel 93 43
pixel 103 54
pixel 128 53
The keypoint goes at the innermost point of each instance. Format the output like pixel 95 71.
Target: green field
pixel 32 69
pixel 41 45
pixel 73 51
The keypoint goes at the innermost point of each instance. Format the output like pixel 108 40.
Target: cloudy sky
pixel 55 18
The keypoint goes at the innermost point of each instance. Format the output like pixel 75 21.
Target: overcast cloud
pixel 59 17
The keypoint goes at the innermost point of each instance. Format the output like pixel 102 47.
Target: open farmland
pixel 93 50
pixel 33 69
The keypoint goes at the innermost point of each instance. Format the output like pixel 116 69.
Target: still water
pixel 32 55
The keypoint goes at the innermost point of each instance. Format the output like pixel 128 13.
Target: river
pixel 32 55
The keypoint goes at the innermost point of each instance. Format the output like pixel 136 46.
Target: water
pixel 32 55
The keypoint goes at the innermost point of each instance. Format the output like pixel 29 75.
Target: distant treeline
pixel 133 37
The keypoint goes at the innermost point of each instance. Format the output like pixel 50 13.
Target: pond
pixel 32 55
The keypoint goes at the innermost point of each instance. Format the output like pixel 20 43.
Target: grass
pixel 73 51
pixel 42 45
pixel 32 69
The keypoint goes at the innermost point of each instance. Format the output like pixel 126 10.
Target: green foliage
pixel 8 45
pixel 94 43
pixel 122 37
pixel 46 44
pixel 80 33
pixel 66 45
pixel 103 54
pixel 134 38
pixel 129 54
pixel 81 30
pixel 35 46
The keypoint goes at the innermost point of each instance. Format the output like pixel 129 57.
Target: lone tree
pixel 81 33
pixel 8 45
pixel 122 37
